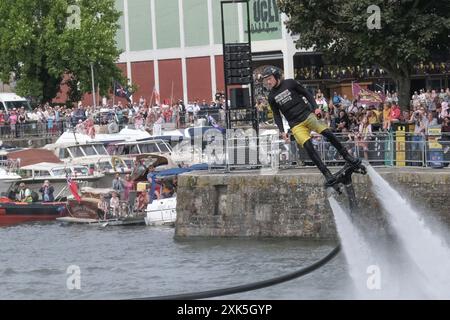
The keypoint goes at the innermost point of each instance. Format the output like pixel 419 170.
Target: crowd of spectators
pixel 49 119
pixel 359 122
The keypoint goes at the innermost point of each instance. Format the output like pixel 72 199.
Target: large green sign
pixel 265 22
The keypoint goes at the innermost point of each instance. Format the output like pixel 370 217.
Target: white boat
pixel 6 178
pixel 88 154
pixel 134 148
pixel 161 212
pixel 70 137
pixel 34 176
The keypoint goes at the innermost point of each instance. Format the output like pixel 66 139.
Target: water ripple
pixel 121 263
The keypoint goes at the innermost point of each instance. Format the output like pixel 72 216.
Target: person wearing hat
pixel 47 192
pixel 286 97
pixel 24 194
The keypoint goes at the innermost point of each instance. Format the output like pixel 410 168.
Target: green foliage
pixel 41 51
pixel 411 31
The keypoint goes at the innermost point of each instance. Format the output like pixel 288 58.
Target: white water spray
pixel 423 246
pixel 358 254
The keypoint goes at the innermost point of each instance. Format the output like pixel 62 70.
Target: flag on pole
pixel 122 92
pixel 156 95
pixel 73 187
pixel 366 96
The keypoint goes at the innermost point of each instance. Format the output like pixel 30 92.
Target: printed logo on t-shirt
pixel 283 97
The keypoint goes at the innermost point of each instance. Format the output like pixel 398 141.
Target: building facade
pixel 175 46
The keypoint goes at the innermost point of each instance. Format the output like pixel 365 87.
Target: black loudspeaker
pixel 240 98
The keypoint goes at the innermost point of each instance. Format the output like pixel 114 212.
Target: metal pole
pixel 93 85
pixel 114 93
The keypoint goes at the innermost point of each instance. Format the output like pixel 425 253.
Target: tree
pixel 44 43
pixel 410 31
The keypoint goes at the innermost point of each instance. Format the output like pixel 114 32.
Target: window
pixel 63 153
pixel 80 171
pixel 163 147
pixel 101 149
pixel 58 172
pixel 149 148
pixel 76 152
pixel 134 149
pixel 89 150
pixel 18 104
pixel 104 166
pixel 41 173
pixel 25 173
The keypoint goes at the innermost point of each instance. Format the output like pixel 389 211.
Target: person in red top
pixel 2 122
pixel 395 113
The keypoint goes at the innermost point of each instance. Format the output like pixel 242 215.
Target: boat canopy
pixel 171 172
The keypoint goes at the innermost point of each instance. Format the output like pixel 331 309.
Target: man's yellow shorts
pixel 302 131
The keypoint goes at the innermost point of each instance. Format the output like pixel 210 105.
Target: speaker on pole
pixel 240 98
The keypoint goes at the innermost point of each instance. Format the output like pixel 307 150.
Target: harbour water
pixel 136 262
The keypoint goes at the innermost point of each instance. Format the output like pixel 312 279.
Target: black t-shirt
pixel 287 98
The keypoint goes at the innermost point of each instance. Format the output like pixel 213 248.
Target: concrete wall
pixel 293 203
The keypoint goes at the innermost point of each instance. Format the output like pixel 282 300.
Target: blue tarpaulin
pixel 151 176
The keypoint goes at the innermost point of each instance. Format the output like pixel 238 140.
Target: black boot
pixel 355 162
pixel 314 156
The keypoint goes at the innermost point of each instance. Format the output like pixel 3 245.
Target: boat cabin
pixel 46 170
pixel 157 146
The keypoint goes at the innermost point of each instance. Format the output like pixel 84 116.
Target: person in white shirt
pixel 114 204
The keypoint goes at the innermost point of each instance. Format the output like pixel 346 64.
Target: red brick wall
pixel 198 78
pixel 219 73
pixel 170 73
pixel 143 75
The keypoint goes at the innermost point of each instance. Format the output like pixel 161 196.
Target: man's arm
pixel 304 92
pixel 276 115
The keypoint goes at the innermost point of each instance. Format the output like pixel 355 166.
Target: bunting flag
pixel 122 92
pixel 366 96
pixel 73 187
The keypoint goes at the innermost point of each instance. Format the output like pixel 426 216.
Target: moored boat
pixel 161 212
pixel 122 221
pixel 12 213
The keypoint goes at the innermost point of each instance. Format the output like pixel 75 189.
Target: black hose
pixel 250 286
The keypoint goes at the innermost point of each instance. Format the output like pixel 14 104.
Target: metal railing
pixel 380 149
pixel 32 129
pixel 10 165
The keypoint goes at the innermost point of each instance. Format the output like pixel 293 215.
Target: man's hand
pixel 285 137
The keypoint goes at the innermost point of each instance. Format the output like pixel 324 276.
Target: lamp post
pixel 93 85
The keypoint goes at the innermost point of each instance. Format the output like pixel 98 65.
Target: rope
pixel 250 286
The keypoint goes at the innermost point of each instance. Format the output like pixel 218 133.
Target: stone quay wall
pixel 293 203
